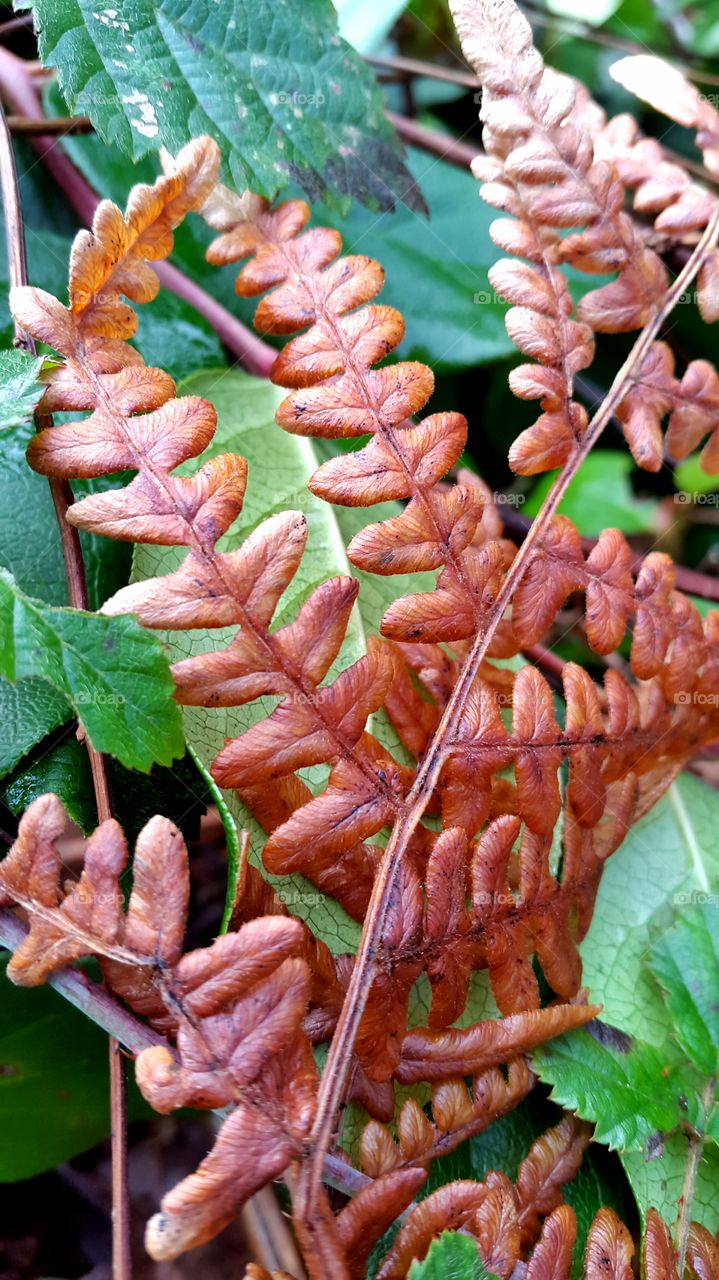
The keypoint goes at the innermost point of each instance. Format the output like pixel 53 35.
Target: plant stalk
pixel 339 1060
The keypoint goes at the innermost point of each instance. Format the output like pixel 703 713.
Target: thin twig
pixel 269 1235
pixel 411 68
pixel 338 1065
pixel 453 150
pixel 77 591
pixel 254 355
pixel 87 996
pixel 694 1155
pixel 25 125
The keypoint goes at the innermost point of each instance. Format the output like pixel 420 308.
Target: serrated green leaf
pixel 629 1092
pixel 19 387
pixel 451 1257
pixel 287 100
pixel 280 466
pixel 112 670
pixel 685 963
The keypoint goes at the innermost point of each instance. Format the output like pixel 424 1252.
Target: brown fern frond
pixel 610 1249
pixel 658 1258
pixel 702 1252
pixel 552 1256
pixel 372 1211
pixel 337 394
pixel 232 1011
pixel 136 422
pixel 552 1161
pixel 503 1218
pixel 540 169
pixel 458 1113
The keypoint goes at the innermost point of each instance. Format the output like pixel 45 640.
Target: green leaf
pixel 600 497
pixel 19 387
pixel 667 861
pixel 436 269
pixel 112 670
pixel 53 1081
pixel 28 711
pixel 280 466
pixel 685 963
pixel 451 1257
pixel 625 1087
pixel 287 100
pixel 62 768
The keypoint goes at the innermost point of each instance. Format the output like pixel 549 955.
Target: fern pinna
pixel 478 886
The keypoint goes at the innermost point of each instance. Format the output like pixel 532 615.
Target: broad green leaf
pixel 451 1257
pixel 112 670
pixel 668 861
pixel 626 1088
pixel 19 387
pixel 286 99
pixel 600 497
pixel 53 1081
pixel 436 268
pixel 685 963
pixel 61 767
pixel 280 466
pixel 28 711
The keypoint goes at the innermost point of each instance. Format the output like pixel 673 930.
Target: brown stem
pixel 57 126
pixel 339 1059
pixel 254 355
pixel 414 67
pixel 694 1155
pixel 77 591
pixel 453 150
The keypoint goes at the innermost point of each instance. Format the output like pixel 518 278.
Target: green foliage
pixel 287 101
pixel 112 670
pixel 685 963
pixel 28 711
pixel 644 1082
pixel 628 1089
pixel 451 1257
pixel 61 768
pixel 19 387
pixel 599 497
pixel 53 1081
pixel 436 269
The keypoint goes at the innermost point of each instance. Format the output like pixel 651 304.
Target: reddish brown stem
pixel 453 150
pixel 339 1060
pixel 77 591
pixel 57 126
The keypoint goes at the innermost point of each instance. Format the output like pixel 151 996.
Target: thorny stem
pixel 694 1155
pixel 77 591
pixel 339 1059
